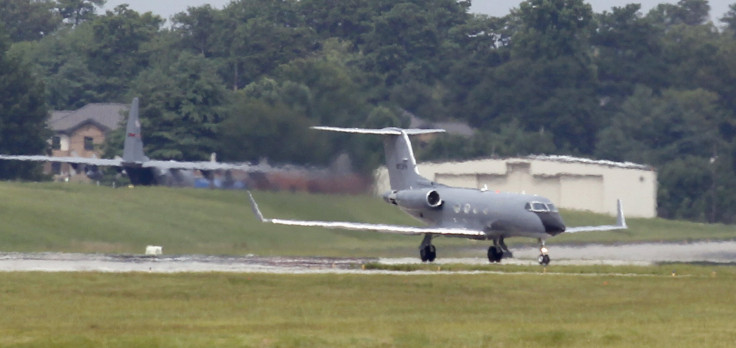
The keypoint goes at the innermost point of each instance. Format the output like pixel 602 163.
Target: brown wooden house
pixel 81 133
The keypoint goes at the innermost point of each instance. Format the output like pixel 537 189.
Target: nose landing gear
pixel 543 254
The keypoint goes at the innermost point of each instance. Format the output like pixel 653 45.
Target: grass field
pixel 502 306
pixel 84 218
pixel 565 307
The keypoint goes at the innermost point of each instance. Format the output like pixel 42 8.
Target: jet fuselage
pixel 498 214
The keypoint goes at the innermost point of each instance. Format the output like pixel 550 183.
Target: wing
pixel 146 164
pixel 202 165
pixel 79 160
pixel 396 229
pixel 620 224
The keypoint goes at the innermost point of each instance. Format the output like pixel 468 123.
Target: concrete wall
pixel 571 183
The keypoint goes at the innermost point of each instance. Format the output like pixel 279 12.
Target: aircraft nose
pixel 553 223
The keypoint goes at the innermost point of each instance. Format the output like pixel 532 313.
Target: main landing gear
pixel 543 256
pixel 427 251
pixel 498 251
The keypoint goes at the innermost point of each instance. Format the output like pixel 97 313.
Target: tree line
pixel 247 80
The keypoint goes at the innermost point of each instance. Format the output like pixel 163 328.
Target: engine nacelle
pixel 414 199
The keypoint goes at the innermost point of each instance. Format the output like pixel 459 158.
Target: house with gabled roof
pixel 81 133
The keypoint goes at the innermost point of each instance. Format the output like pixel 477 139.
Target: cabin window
pixel 537 207
pixel 457 208
pixel 89 144
pixel 467 208
pixel 56 143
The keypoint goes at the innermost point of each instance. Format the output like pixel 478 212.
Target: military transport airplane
pixel 140 169
pixel 452 211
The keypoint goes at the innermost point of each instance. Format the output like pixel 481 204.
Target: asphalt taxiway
pixel 625 254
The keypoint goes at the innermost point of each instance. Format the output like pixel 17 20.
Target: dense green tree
pixel 553 28
pixel 656 129
pixel 60 62
pixel 181 108
pixel 75 12
pixel 629 52
pixel 119 48
pixel 257 129
pixel 723 73
pixel 406 42
pixel 259 35
pixel 481 44
pixel 730 19
pixel 685 12
pixel 28 20
pixel 23 114
pixel 507 141
pixel 198 30
pixel 307 92
pixel 345 19
pixel 680 133
pixel 548 84
pixel 697 66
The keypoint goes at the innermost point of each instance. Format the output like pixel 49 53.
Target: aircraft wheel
pixel 423 254
pixel 495 254
pixel 544 260
pixel 432 253
pixel 428 253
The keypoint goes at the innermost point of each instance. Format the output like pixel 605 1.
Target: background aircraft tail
pixel 400 161
pixel 133 147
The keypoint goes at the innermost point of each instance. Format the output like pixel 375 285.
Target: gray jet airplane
pixel 452 211
pixel 140 169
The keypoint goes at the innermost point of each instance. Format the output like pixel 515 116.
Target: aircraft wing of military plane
pixel 453 211
pixel 140 169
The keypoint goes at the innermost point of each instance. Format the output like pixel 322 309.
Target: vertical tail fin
pixel 133 147
pixel 400 161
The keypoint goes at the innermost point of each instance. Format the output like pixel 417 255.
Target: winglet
pixel 620 219
pixel 620 223
pixel 255 208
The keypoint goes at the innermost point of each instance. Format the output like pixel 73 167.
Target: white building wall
pixel 571 183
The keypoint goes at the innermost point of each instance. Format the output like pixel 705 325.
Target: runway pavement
pixel 625 254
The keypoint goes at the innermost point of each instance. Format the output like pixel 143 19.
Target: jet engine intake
pixel 414 199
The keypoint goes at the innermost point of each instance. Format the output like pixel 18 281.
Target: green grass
pixel 642 230
pixel 503 306
pixel 516 309
pixel 84 218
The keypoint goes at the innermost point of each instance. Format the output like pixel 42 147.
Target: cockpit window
pixel 539 207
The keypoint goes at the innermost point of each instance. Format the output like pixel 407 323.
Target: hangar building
pixel 571 183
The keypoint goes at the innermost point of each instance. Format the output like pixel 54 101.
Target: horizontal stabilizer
pixel 356 226
pixel 384 131
pixel 620 223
